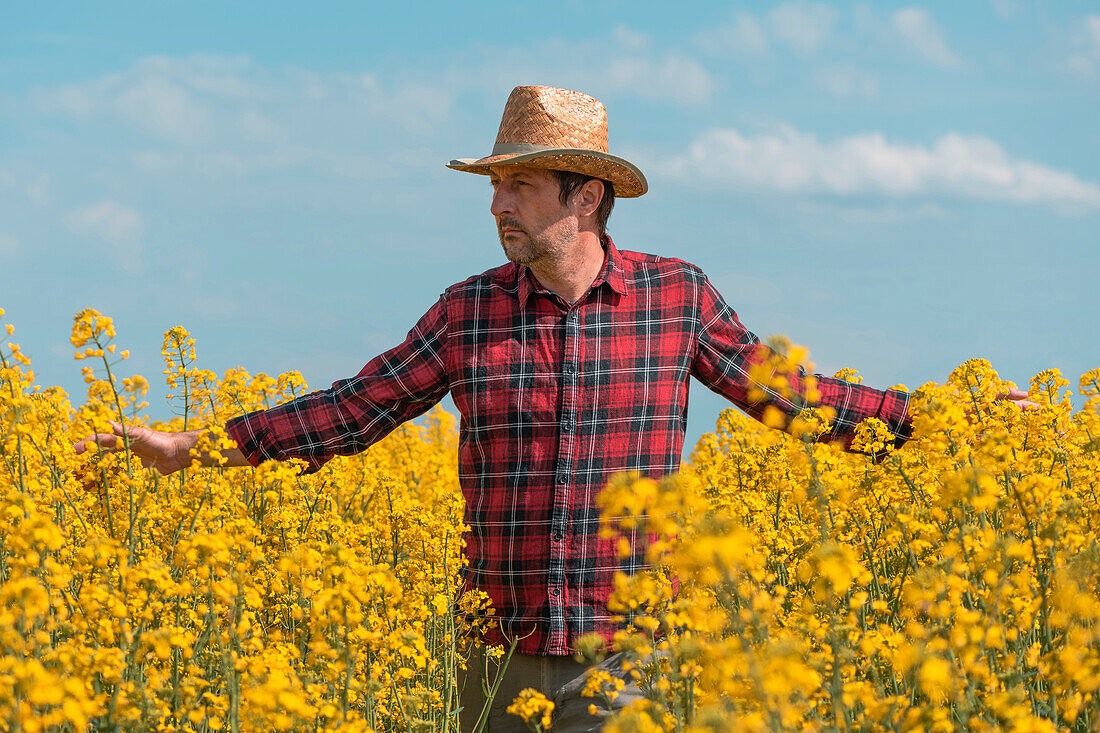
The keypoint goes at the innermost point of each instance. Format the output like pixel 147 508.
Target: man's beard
pixel 521 251
pixel 526 249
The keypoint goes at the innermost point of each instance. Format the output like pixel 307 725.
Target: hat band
pixel 521 148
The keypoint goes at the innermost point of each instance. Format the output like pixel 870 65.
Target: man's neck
pixel 573 274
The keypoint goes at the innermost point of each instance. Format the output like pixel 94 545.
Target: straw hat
pixel 557 129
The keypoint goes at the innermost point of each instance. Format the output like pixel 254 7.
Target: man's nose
pixel 502 202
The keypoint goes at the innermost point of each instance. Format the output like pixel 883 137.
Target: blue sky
pixel 899 187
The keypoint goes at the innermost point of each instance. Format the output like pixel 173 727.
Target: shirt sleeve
pixel 350 416
pixel 727 351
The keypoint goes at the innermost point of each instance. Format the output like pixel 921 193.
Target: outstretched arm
pixel 732 361
pixel 165 452
pixel 728 354
pixel 353 414
pixel 395 386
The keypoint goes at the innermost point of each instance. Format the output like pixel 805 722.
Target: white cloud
pixel 804 26
pixel 846 81
pixel 206 100
pixel 164 107
pixel 34 187
pixel 672 77
pixel 629 38
pixel 1084 62
pixel 890 213
pixel 165 97
pixel 212 116
pixel 259 127
pixel 220 164
pixel 117 226
pixel 910 31
pixel 955 165
pixel 916 28
pixel 623 63
pixel 207 116
pixel 1005 9
pixel 744 35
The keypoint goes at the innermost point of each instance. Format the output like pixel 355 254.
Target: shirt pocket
pixel 517 389
pixel 494 387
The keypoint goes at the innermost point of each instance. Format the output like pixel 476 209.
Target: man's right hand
pixel 165 452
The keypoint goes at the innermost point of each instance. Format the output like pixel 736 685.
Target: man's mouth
pixel 510 228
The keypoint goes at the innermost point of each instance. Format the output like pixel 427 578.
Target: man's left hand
pixel 1018 397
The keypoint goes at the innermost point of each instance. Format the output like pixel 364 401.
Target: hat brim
pixel 624 175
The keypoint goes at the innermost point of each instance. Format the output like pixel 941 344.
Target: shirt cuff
pixel 894 411
pixel 258 442
pixel 250 432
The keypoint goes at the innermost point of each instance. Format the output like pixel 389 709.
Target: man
pixel 568 364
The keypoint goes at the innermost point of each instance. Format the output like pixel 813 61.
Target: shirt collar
pixel 612 274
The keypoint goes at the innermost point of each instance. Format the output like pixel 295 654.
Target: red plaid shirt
pixel 554 398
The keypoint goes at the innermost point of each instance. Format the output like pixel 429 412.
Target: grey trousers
pixel 561 679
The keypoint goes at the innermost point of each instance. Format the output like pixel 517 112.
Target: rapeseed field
pixel 951 584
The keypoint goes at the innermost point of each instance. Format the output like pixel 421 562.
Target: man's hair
pixel 570 182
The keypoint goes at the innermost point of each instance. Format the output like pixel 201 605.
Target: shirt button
pixel 555 592
pixel 562 478
pixel 558 537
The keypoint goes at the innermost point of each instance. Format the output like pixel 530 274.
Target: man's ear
pixel 588 197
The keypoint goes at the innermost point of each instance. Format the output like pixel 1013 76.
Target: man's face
pixel 533 224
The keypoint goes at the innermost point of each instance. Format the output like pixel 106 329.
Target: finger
pixel 102 441
pixel 123 431
pixel 133 433
pixel 1013 394
pixel 84 444
pixel 1026 406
